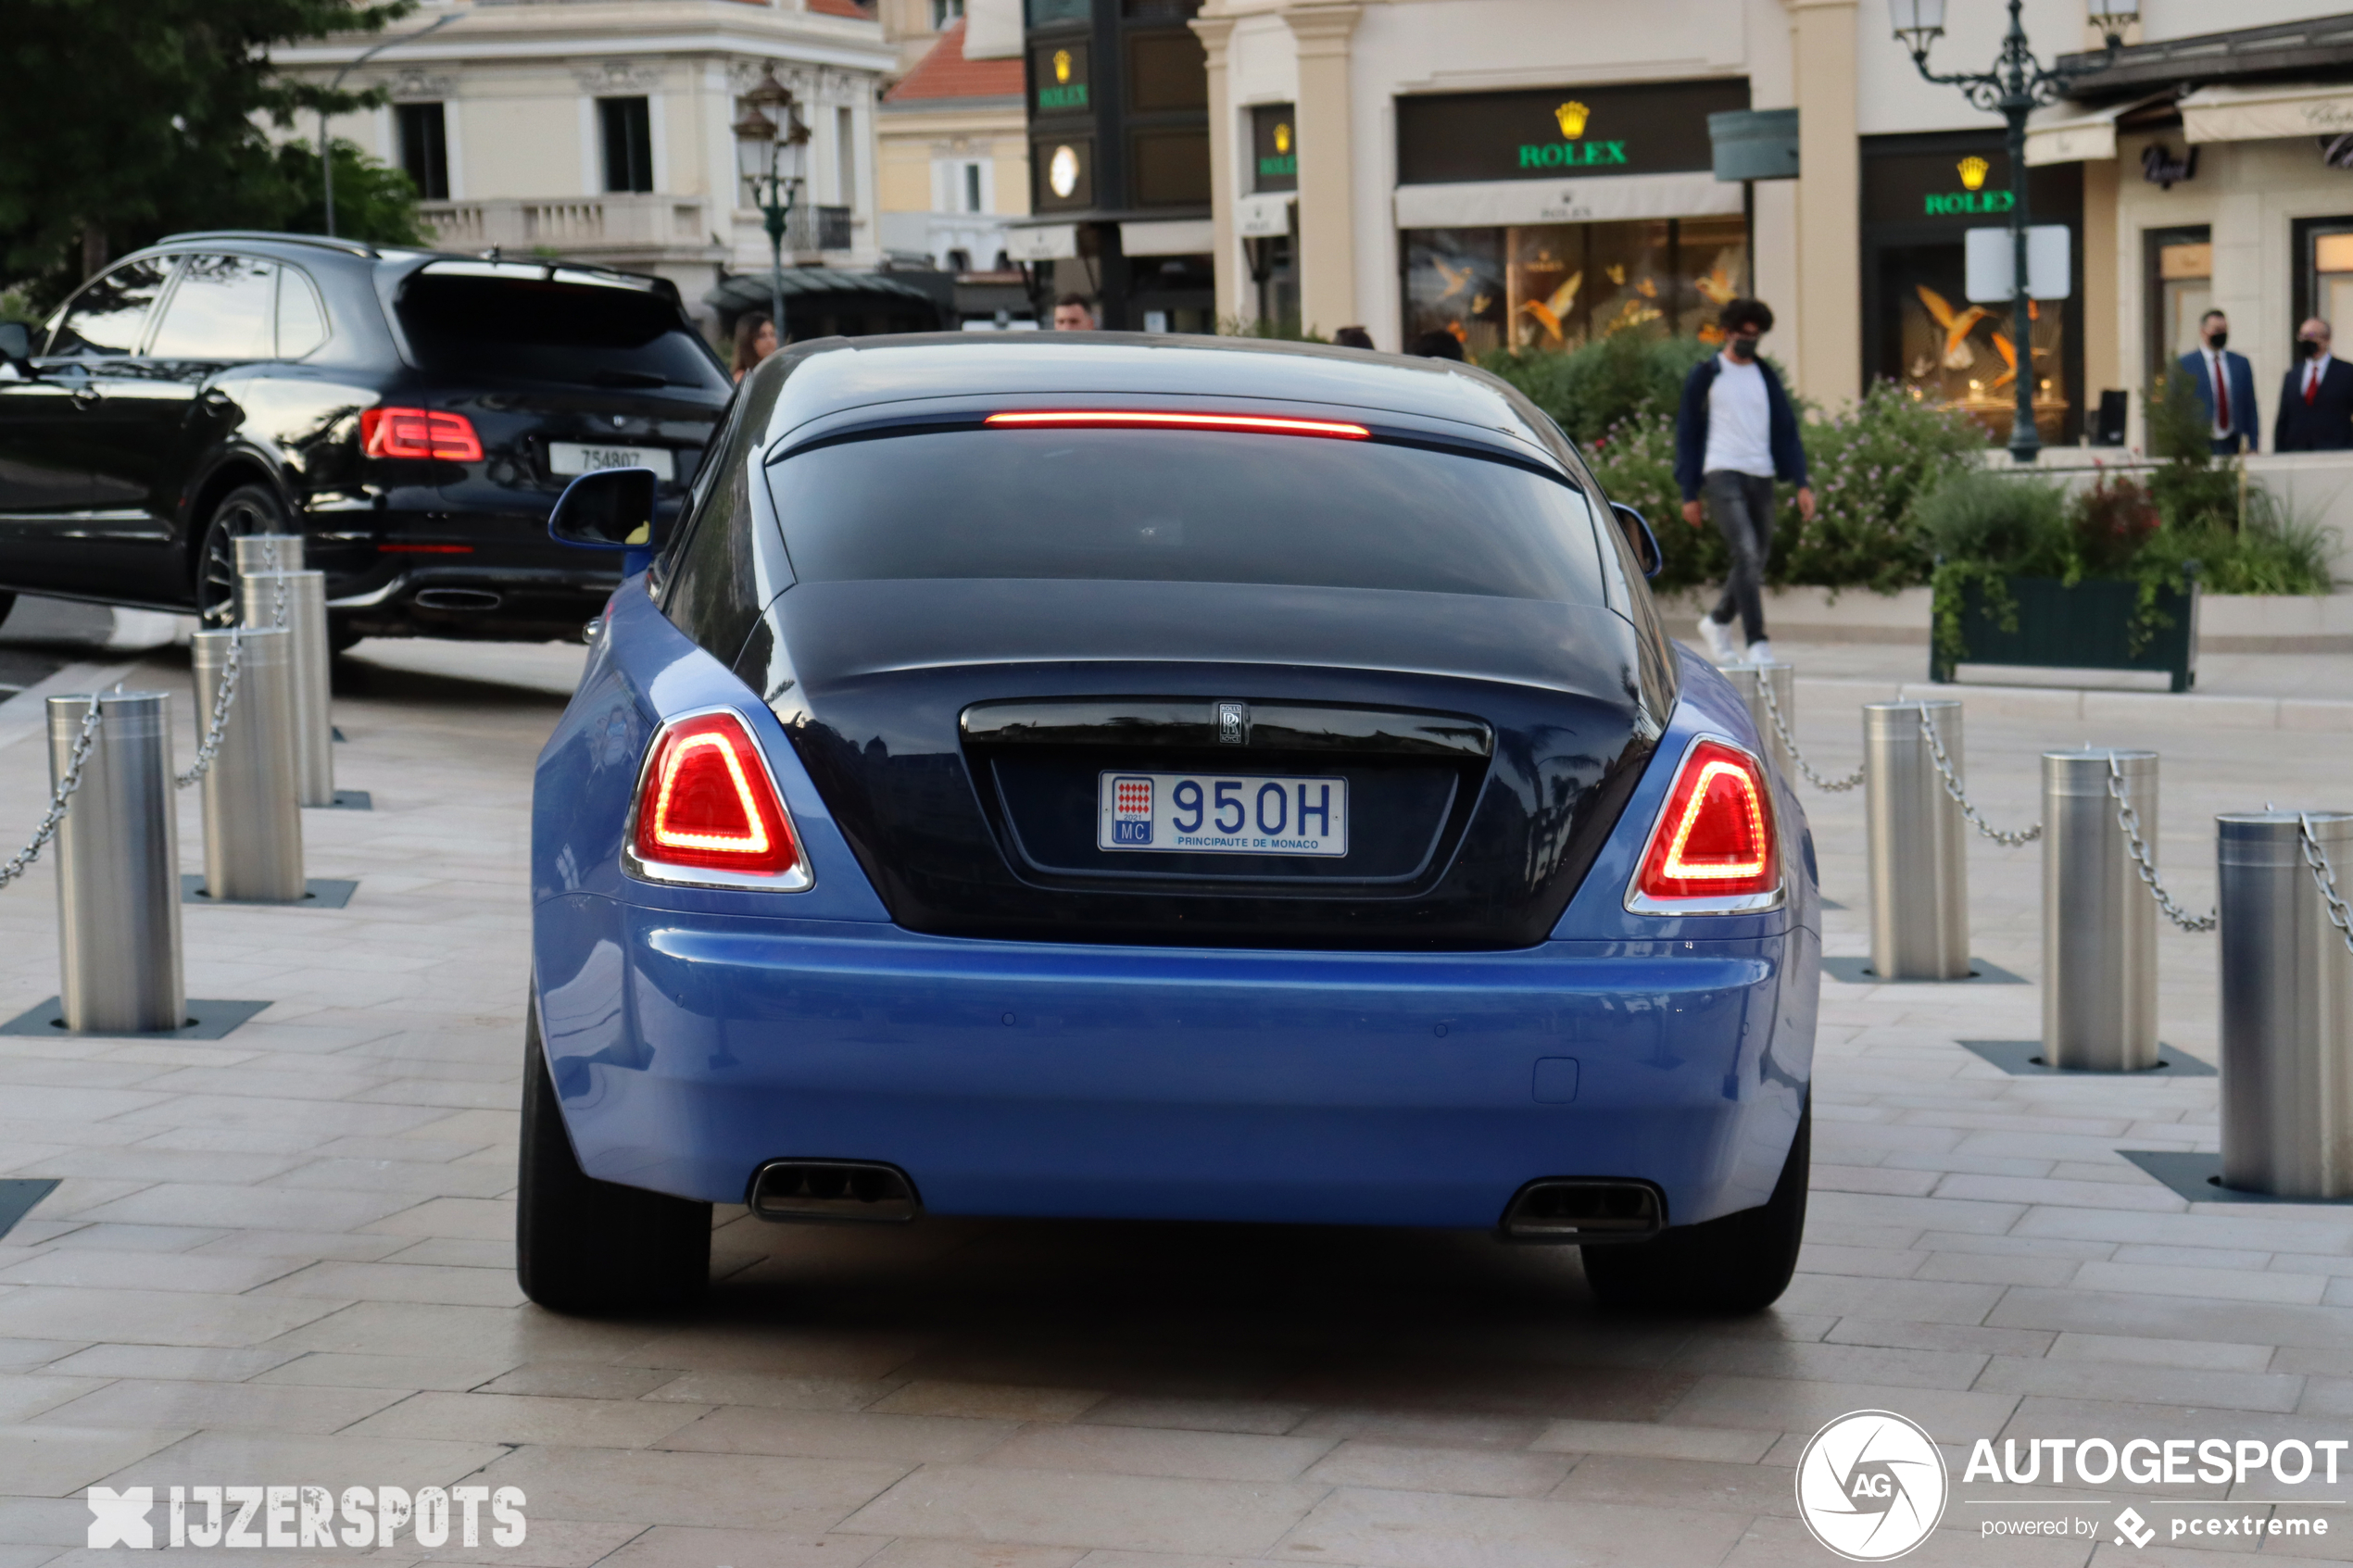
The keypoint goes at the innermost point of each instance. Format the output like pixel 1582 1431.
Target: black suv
pixel 414 413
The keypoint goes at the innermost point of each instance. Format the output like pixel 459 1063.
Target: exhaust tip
pixel 859 1191
pixel 1584 1210
pixel 458 598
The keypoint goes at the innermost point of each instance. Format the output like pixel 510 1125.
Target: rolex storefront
pixel 1542 219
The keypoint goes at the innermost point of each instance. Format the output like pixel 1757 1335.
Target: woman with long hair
pixel 755 340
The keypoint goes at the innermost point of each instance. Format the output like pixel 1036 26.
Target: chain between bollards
pixel 1780 728
pixel 2324 878
pixel 220 719
pixel 2130 821
pixel 18 863
pixel 1960 796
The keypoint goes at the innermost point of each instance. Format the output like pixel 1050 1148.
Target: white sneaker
pixel 1760 652
pixel 1719 639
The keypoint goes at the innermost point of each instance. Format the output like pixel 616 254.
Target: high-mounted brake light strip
pixel 1120 418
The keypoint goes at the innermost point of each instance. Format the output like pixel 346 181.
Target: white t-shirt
pixel 1740 421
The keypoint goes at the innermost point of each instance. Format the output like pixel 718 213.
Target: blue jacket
pixel 2242 420
pixel 1691 428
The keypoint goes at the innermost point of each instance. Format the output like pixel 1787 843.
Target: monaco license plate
pixel 1223 813
pixel 570 456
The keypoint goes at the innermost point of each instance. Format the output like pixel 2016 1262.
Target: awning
pixel 1172 236
pixel 2264 114
pixel 1042 242
pixel 2071 134
pixel 1256 217
pixel 1487 202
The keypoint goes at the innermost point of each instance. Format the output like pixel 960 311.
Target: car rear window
pixel 1184 506
pixel 510 323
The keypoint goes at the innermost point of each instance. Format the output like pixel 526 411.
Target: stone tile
pixel 580 1380
pixel 26 1394
pixel 1783 1406
pixel 1050 1508
pixel 1196 1415
pixel 788 1496
pixel 1135 1450
pixel 58 1461
pixel 1470 1472
pixel 901 1440
pixel 516 1419
pixel 2204 1354
pixel 233 1458
pixel 767 1392
pixel 252 1407
pixel 155 1317
pixel 96 1270
pixel 2213 1284
pixel 671 1546
pixel 191 1363
pixel 1399 1530
pixel 1838 1364
pixel 1681 1484
pixel 1915 1300
pixel 2164 1385
pixel 1898 1334
pixel 1001 1400
pixel 332 1369
pixel 1433 1428
pixel 402 1282
pixel 1641 1441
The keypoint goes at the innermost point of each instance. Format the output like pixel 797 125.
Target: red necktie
pixel 2312 382
pixel 2221 394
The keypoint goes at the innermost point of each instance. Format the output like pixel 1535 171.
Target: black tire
pixel 1732 1266
pixel 249 509
pixel 590 1248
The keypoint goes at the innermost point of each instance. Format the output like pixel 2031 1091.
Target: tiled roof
pixel 945 73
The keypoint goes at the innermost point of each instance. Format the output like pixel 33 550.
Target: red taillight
pixel 1116 419
pixel 706 803
pixel 1715 840
pixel 419 432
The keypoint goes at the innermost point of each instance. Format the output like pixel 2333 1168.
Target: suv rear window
pixel 504 323
pixel 1184 506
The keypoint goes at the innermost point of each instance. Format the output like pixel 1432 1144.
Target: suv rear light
pixel 1712 849
pixel 707 812
pixel 419 432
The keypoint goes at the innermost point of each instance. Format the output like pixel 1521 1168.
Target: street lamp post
pixel 2016 86
pixel 769 153
pixel 326 151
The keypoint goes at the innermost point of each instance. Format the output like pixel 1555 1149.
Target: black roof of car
pixel 833 375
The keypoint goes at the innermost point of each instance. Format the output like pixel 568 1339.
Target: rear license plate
pixel 570 456
pixel 1223 813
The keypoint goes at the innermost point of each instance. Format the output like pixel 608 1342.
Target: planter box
pixel 2088 626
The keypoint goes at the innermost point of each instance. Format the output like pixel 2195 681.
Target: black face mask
pixel 2219 340
pixel 1741 349
pixel 2306 348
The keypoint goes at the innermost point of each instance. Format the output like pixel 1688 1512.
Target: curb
pixel 2182 710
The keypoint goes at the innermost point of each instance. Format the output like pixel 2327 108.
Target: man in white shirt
pixel 1734 434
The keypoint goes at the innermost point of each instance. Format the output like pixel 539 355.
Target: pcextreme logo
pixel 1871 1486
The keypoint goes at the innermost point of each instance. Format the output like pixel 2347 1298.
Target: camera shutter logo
pixel 1871 1486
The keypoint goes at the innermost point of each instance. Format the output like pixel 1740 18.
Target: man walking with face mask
pixel 2316 397
pixel 1734 434
pixel 2224 383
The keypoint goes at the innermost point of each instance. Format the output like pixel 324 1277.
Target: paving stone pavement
pixel 284 1257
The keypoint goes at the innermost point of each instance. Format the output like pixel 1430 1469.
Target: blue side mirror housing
pixel 609 509
pixel 1640 537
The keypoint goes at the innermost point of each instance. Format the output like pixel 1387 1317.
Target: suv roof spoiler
pixel 324 242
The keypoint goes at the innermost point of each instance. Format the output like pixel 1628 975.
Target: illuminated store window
pixel 1550 288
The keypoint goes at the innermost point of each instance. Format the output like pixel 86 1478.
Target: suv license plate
pixel 570 456
pixel 1222 813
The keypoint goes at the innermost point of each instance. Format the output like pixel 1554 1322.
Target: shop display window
pixel 1965 355
pixel 2324 283
pixel 1552 287
pixel 2180 290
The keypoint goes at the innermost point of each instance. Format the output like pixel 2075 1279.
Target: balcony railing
pixel 571 225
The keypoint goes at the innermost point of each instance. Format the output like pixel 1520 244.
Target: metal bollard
pixel 2287 1010
pixel 1747 679
pixel 1915 836
pixel 306 607
pixel 252 813
pixel 2099 923
pixel 119 869
pixel 268 552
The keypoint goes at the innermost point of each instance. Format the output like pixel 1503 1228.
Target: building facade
pixel 953 149
pixel 598 130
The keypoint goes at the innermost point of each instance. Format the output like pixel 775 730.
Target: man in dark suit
pixel 2225 386
pixel 2316 400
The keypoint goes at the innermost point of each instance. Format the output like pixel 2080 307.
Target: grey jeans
pixel 1742 504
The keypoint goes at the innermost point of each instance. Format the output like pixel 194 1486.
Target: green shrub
pixel 1592 389
pixel 2014 525
pixel 1871 465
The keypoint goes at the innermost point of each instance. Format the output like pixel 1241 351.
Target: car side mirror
pixel 609 510
pixel 1639 538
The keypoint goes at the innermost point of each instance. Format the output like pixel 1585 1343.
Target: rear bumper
pixel 1046 1080
pixel 464 576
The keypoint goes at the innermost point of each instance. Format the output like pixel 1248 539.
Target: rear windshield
pixel 550 330
pixel 1184 506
